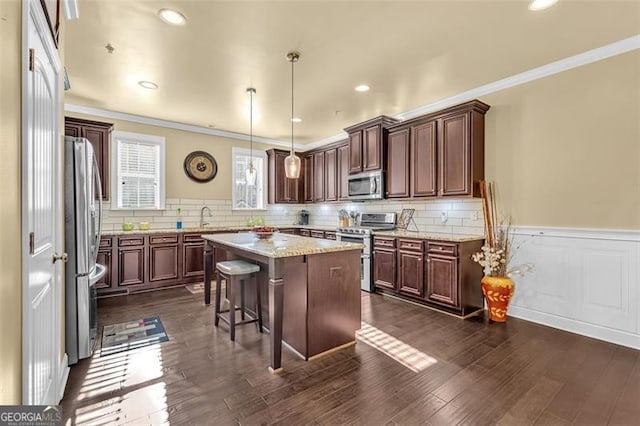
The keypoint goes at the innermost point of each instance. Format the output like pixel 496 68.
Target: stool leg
pixel 218 295
pixel 231 285
pixel 259 302
pixel 242 299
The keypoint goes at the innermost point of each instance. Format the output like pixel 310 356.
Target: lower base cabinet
pixel 439 274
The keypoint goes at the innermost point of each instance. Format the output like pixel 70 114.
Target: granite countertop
pixel 458 238
pixel 211 229
pixel 281 245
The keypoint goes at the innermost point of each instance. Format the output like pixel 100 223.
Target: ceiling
pixel 410 53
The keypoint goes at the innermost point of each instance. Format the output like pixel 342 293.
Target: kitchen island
pixel 313 288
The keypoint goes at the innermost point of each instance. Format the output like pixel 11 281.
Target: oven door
pixel 365 260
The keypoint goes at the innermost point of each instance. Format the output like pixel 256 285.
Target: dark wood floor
pixel 427 368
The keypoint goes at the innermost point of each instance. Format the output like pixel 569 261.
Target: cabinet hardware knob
pixel 64 257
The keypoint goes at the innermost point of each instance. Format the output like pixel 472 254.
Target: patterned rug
pixel 198 288
pixel 132 335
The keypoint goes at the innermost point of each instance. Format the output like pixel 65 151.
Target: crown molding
pixel 134 118
pixel 613 49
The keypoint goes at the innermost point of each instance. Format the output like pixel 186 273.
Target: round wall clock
pixel 200 166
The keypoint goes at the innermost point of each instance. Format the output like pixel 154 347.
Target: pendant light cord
pixel 250 129
pixel 292 97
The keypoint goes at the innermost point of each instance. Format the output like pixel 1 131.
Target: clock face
pixel 200 166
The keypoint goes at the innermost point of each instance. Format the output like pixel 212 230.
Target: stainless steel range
pixel 362 234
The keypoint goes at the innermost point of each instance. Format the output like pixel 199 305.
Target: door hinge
pixel 32 54
pixel 32 243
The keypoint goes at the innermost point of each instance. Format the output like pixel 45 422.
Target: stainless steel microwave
pixel 366 186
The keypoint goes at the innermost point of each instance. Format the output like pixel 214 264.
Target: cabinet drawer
pixel 195 238
pixel 384 242
pixel 317 234
pixel 330 235
pixel 450 249
pixel 305 232
pixel 105 242
pixel 163 239
pixel 411 245
pixel 130 241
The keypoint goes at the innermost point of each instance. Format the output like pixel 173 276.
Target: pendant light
pixel 250 173
pixel 292 162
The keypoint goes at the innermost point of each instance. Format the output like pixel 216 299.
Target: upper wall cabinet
pixel 99 134
pixel 366 144
pixel 440 154
pixel 282 189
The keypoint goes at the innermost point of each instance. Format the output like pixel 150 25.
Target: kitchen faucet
pixel 202 222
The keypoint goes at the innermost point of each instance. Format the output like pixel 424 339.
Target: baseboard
pixel 579 327
pixel 63 376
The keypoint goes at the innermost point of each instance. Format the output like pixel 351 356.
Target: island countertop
pixel 280 245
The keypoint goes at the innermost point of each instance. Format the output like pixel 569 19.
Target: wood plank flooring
pixel 412 366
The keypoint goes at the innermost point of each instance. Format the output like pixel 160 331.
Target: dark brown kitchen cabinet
pixel 318 177
pixel 317 233
pixel 305 233
pixel 343 172
pixel 366 144
pixel 105 259
pixel 282 190
pixel 99 134
pixel 442 279
pixel 398 164
pixel 192 259
pixel 446 151
pixel 355 152
pixel 307 168
pixel 330 175
pixel 384 268
pixel 423 182
pixel 410 267
pixel 164 257
pixel 131 265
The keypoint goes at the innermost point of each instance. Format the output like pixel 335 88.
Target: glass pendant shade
pixel 250 174
pixel 292 166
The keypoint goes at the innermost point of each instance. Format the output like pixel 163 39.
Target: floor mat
pixel 132 335
pixel 199 287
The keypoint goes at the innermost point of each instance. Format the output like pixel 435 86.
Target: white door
pixel 41 177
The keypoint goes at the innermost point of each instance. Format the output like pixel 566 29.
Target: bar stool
pixel 236 272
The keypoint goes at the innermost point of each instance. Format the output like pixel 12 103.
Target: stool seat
pixel 237 267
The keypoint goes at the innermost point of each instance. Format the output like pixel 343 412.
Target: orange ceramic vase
pixel 498 292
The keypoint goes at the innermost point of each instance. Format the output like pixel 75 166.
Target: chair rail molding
pixel 586 281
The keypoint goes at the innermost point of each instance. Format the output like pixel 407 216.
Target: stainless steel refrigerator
pixel 83 221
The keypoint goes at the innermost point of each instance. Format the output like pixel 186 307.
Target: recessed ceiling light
pixel 541 4
pixel 296 120
pixel 148 84
pixel 362 88
pixel 172 17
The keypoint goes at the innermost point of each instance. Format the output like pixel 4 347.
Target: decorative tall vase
pixel 497 292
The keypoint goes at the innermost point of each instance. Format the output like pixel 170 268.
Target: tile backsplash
pixel 462 216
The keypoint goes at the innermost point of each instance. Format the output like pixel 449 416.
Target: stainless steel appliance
pixel 362 234
pixel 83 212
pixel 366 186
pixel 303 217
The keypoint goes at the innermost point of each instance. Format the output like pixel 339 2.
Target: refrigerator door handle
pixel 96 173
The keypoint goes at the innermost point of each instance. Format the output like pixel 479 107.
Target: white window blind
pixel 139 171
pixel 248 197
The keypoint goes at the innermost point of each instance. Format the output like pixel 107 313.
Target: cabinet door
pixel 131 265
pixel 343 172
pixel 454 155
pixel 277 179
pixel 424 160
pixel 104 259
pixel 73 130
pixel 192 260
pixel 398 164
pixel 384 268
pixel 410 273
pixel 163 262
pixel 292 190
pixel 330 173
pixel 99 138
pixel 372 149
pixel 318 177
pixel 355 152
pixel 442 280
pixel 308 178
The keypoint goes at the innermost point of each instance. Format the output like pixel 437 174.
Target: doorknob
pixel 64 257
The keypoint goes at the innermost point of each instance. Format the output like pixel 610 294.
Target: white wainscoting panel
pixel 585 281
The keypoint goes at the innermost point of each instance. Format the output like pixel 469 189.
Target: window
pixel 138 171
pixel 248 197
